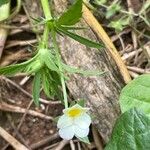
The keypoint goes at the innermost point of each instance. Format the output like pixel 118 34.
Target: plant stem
pixel 45 36
pixel 60 68
pixel 46 9
pixel 48 16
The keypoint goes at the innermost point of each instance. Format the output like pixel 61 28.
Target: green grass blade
pixel 80 39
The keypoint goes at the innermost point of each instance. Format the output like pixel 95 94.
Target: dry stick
pixel 10 139
pixel 97 140
pixel 27 93
pixel 45 141
pixel 12 108
pixel 62 144
pixel 16 132
pixel 72 146
pixel 21 122
pixel 94 24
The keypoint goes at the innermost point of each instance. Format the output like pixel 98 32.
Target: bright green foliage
pixel 120 24
pixel 2 2
pixel 72 16
pixel 136 94
pixel 114 8
pixel 131 132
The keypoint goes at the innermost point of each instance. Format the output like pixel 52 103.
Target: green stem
pixel 45 36
pixel 60 68
pixel 46 9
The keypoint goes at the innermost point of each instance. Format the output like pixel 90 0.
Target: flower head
pixel 74 122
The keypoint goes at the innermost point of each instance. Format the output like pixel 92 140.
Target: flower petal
pixel 64 121
pixel 80 132
pixel 67 133
pixel 83 121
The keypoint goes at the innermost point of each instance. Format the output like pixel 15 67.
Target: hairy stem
pixel 60 68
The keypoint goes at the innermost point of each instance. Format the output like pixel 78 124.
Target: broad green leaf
pixel 36 87
pixel 72 16
pixel 131 132
pixel 80 39
pixel 70 69
pixel 136 94
pixel 2 2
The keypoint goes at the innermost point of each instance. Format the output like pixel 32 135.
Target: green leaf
pixel 12 69
pixel 70 69
pixel 85 140
pixel 36 87
pixel 2 2
pixel 81 102
pixel 131 132
pixel 114 8
pixel 136 94
pixel 49 59
pixel 51 83
pixel 80 39
pixel 72 16
pixel 73 28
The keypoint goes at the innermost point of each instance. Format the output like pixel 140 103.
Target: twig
pixel 97 140
pixel 16 132
pixel 72 146
pixel 94 24
pixel 11 108
pixel 27 93
pixel 138 70
pixel 45 141
pixel 15 144
pixel 62 144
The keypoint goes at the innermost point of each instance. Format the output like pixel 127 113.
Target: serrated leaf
pixel 49 60
pixel 136 94
pixel 51 83
pixel 71 69
pixel 2 2
pixel 72 16
pixel 131 132
pixel 12 69
pixel 80 39
pixel 36 88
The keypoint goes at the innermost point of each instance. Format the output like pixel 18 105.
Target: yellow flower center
pixel 74 112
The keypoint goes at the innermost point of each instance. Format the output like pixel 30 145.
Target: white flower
pixel 74 122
